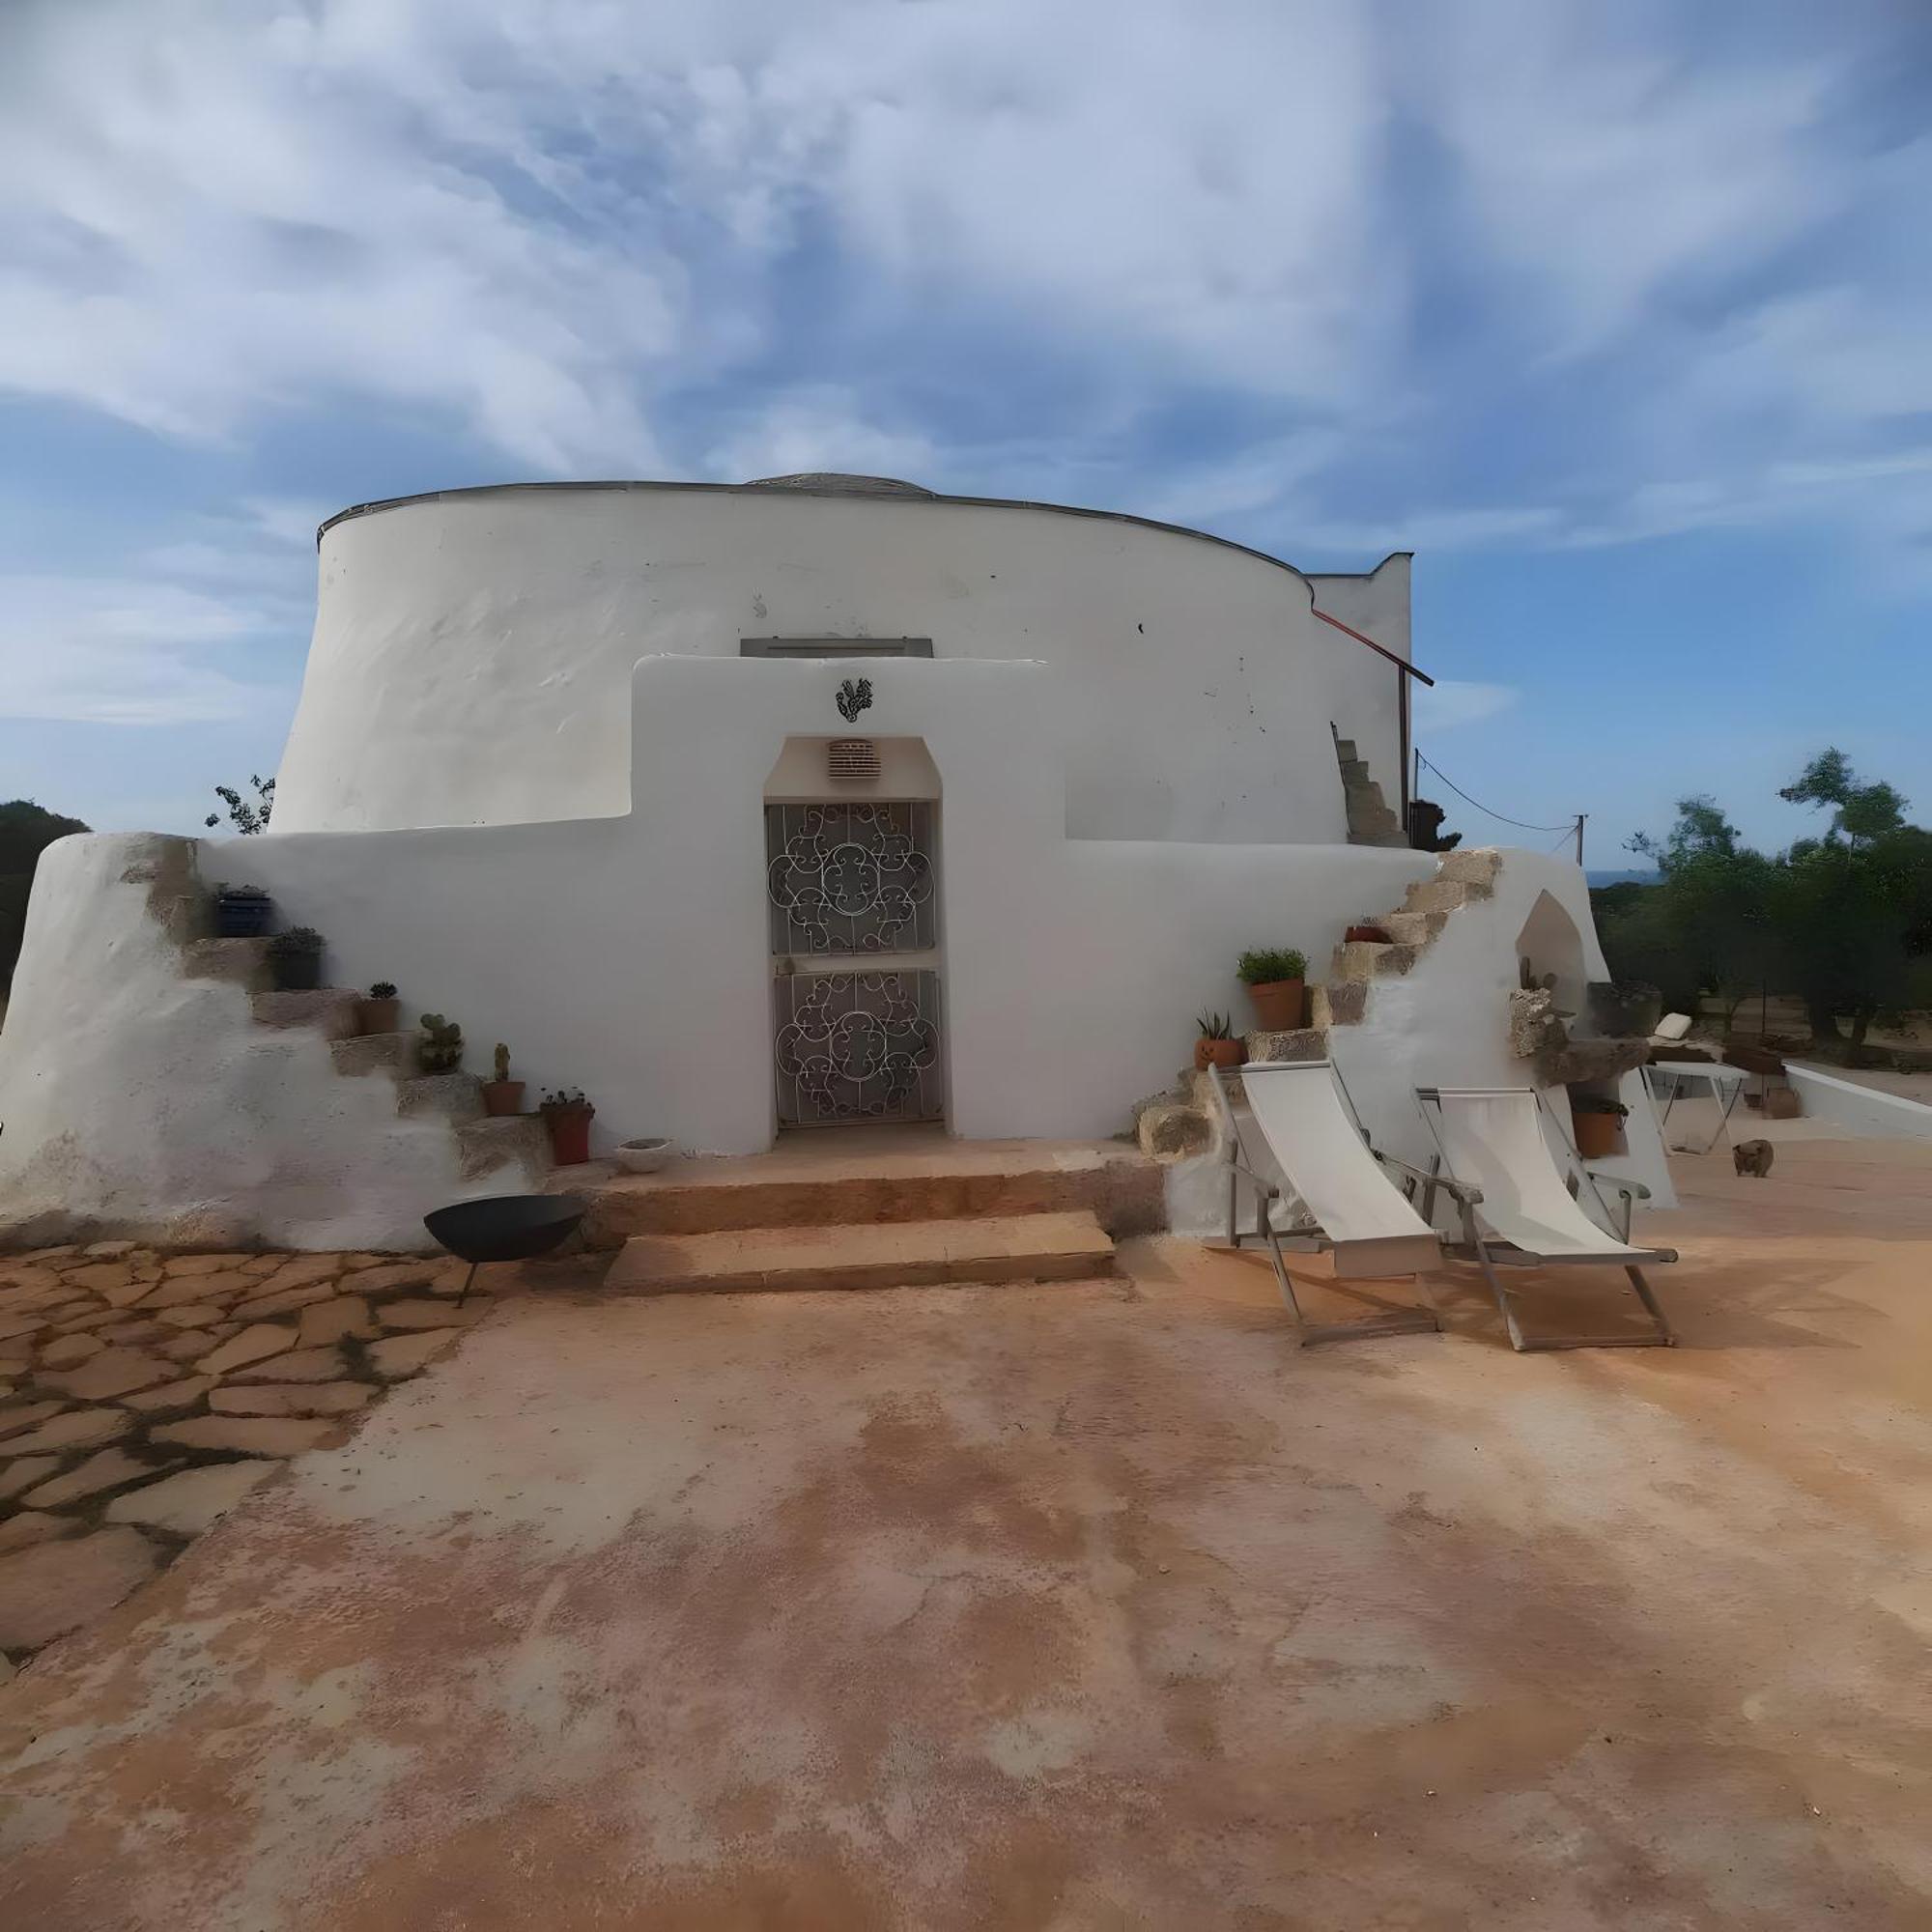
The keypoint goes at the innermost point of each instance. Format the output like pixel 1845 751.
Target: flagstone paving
pixel 144 1394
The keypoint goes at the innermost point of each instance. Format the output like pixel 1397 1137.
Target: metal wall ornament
pixel 855 695
pixel 858 1046
pixel 850 878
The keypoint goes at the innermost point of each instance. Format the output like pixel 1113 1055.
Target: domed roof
pixel 836 482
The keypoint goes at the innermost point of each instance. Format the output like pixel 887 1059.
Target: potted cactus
pixel 567 1114
pixel 241 912
pixel 502 1094
pixel 1217 1046
pixel 1275 977
pixel 378 1009
pixel 440 1051
pixel 294 959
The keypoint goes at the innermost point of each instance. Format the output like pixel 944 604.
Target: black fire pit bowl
pixel 504 1228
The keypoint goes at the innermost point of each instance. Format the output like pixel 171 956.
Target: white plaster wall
pixel 1363 690
pixel 472 654
pixel 1863 1111
pixel 135 1100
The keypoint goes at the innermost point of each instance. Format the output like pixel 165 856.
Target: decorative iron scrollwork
pixel 858 1046
pixel 850 878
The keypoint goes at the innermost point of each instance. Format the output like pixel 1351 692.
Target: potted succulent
pixel 1622 1009
pixel 1275 977
pixel 567 1115
pixel 502 1094
pixel 1217 1046
pixel 241 912
pixel 377 1010
pixel 440 1051
pixel 294 959
pixel 1596 1120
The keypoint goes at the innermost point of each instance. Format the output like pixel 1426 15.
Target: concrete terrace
pixel 1089 1604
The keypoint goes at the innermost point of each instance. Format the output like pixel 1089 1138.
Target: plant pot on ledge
pixel 1597 1125
pixel 1275 977
pixel 378 1011
pixel 241 912
pixel 1217 1046
pixel 568 1116
pixel 294 959
pixel 501 1097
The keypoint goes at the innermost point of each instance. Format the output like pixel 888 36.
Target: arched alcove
pixel 1554 949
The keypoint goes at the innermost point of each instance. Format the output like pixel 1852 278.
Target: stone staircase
pixel 1371 820
pixel 931 1211
pixel 1182 1122
pixel 484 1143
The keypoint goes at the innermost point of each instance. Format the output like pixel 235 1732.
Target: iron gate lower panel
pixel 858 1046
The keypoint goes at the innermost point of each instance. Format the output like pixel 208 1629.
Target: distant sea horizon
pixel 1644 878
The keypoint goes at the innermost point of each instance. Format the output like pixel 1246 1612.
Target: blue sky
pixel 1616 315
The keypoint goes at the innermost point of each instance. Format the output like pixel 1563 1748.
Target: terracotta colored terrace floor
pixel 1091 1604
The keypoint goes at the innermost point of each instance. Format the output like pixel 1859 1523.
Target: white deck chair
pixel 1517 1209
pixel 1352 1209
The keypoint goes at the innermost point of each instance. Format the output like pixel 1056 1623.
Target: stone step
pixel 245 961
pixel 331 1009
pixel 376 1053
pixel 456 1096
pixel 1345 752
pixel 1301 1043
pixel 519 1140
pixel 1339 1003
pixel 1413 929
pixel 891 1254
pixel 819 1186
pixel 1368 959
pixel 1477 867
pixel 1442 895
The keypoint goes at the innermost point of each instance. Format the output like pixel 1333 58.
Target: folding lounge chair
pixel 1350 1208
pixel 1517 1209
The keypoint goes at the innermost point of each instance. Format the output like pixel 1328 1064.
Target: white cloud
pixel 818 429
pixel 1448 703
pixel 129 652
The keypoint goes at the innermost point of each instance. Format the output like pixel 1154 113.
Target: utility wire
pixel 1521 824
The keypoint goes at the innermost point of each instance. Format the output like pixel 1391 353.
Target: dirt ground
pixel 1073 1606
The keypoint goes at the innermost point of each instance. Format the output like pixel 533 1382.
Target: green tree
pixel 248 816
pixel 25 832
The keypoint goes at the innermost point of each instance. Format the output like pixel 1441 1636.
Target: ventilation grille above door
pixel 852 758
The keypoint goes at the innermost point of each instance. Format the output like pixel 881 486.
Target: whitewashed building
pixel 758 807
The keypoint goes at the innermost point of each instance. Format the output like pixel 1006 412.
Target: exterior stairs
pixel 1371 820
pixel 1182 1121
pixel 484 1143
pixel 915 1213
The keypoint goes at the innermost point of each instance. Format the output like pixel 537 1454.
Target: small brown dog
pixel 1754 1158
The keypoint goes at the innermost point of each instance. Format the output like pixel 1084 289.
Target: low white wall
pixel 630 955
pixel 135 1100
pixel 1860 1110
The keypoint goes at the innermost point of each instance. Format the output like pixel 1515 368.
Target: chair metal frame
pixel 1490 1251
pixel 1306 1236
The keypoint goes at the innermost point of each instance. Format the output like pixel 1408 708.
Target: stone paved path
pixel 143 1395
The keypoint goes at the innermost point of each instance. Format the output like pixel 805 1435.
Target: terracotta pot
pixel 1278 1004
pixel 1596 1134
pixel 569 1135
pixel 379 1015
pixel 503 1096
pixel 1219 1053
pixel 1375 935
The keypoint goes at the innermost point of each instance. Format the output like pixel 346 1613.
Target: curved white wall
pixel 473 653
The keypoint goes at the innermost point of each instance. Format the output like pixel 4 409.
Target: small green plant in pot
pixel 1217 1046
pixel 294 958
pixel 379 1010
pixel 440 1049
pixel 567 1114
pixel 502 1094
pixel 1276 978
pixel 1595 1121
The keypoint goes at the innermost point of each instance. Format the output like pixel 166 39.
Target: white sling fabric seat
pixel 1367 1223
pixel 1493 1141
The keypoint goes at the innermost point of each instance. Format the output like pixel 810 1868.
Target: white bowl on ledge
pixel 643 1156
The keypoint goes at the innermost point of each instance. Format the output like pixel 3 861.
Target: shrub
pixel 1215 1026
pixel 297 939
pixel 1266 965
pixel 382 990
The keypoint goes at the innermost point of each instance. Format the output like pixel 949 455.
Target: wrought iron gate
pixel 847 884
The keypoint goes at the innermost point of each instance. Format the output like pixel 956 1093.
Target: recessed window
pixel 835 647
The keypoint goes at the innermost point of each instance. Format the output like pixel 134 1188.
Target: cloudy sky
pixel 1616 314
